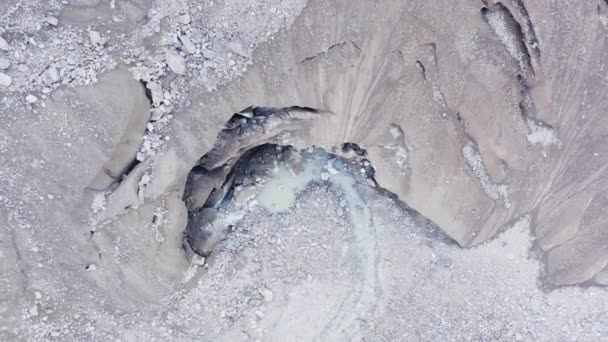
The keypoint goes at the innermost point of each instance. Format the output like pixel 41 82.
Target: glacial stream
pixel 279 194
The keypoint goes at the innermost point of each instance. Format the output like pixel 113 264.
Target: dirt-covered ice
pixel 125 213
pixel 344 262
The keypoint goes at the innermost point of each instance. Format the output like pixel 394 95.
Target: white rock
pixel 157 93
pixel 5 80
pixel 31 98
pixel 267 294
pixel 198 260
pixel 145 180
pixel 340 212
pixel 33 311
pixel 95 37
pixel 24 69
pixel 4 63
pixel 51 20
pixel 176 63
pixel 51 75
pixel 395 132
pixel 238 49
pixel 209 54
pixel 188 44
pixel 185 19
pixel 330 167
pixel 4 44
pixel 38 295
pixel 157 113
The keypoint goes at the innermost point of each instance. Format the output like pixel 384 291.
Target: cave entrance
pixel 267 175
pixel 249 160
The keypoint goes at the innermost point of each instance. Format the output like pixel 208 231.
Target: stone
pixel 51 76
pixel 51 20
pixel 33 311
pixel 4 44
pixel 156 91
pixel 145 180
pixel 31 98
pixel 176 63
pixel 5 80
pixel 267 294
pixel 24 69
pixel 188 44
pixel 198 260
pixel 185 19
pixel 245 194
pixel 209 54
pixel 95 37
pixel 4 63
pixel 237 48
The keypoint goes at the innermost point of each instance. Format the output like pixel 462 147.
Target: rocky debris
pixel 541 134
pixel 60 56
pixel 473 159
pixel 510 33
pixel 194 44
pixel 79 58
pixel 47 53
